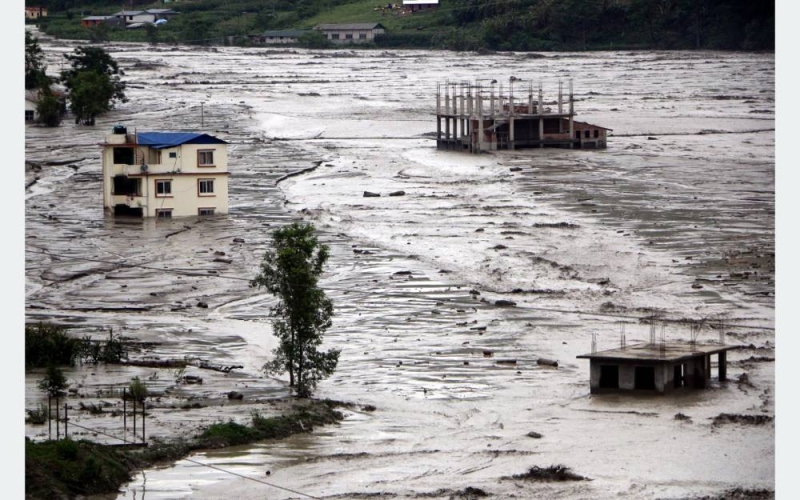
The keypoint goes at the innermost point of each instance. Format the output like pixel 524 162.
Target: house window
pixel 596 133
pixel 173 154
pixel 349 36
pixel 205 187
pixel 577 134
pixel 205 211
pixel 335 36
pixel 164 189
pixel 164 213
pixel 28 115
pixel 205 158
pixel 123 156
pixel 586 134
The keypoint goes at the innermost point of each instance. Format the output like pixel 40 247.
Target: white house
pixel 351 33
pixel 31 100
pixel 135 16
pixel 164 174
pixel 417 5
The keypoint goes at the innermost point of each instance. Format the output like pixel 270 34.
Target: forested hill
pixel 455 24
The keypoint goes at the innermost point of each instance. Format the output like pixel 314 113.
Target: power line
pixel 206 465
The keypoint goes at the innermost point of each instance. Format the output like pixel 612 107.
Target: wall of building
pixel 182 170
pixel 31 106
pixel 185 198
pixel 364 35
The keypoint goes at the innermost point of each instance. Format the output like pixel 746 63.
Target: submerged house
pixel 164 174
pixel 477 117
pixel 658 368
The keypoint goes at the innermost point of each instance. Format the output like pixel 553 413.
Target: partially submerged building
pixel 472 117
pixel 655 367
pixel 164 174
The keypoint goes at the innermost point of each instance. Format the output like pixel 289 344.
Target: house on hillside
pixel 281 36
pixel 164 174
pixel 418 5
pixel 135 16
pixel 35 12
pixel 90 21
pixel 351 33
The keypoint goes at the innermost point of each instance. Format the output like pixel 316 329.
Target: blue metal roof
pixel 161 140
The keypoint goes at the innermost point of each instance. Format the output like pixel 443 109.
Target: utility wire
pixel 397 295
pixel 206 465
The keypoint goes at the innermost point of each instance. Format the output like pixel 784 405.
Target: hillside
pixel 456 24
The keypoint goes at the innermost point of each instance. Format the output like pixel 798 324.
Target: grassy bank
pixel 58 469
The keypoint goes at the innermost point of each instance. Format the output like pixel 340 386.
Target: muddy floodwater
pixel 676 216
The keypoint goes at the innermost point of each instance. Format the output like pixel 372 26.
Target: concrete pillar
pixel 511 132
pixel 571 132
pixel 660 378
pixel 541 131
pixel 438 128
pixel 723 366
pixel 447 128
pixel 594 376
pixel 627 377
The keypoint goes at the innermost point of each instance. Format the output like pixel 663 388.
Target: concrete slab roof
pixel 652 352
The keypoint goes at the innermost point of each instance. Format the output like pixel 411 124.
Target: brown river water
pixel 683 195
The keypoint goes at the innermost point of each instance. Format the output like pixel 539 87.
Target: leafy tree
pixel 90 96
pixel 93 82
pixel 303 313
pixel 137 390
pixel 49 108
pixel 35 77
pixel 54 381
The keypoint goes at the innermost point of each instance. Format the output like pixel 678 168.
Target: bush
pixel 47 344
pixel 37 416
pixel 137 390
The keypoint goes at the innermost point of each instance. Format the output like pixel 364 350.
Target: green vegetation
pixel 458 24
pixel 47 344
pixel 93 83
pixel 54 382
pixel 37 416
pixel 137 390
pixel 63 469
pixel 290 270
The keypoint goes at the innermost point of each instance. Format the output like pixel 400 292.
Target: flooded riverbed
pixel 580 240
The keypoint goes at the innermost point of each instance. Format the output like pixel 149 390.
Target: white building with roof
pixel 164 174
pixel 351 33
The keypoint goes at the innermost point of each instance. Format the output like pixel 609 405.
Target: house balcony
pixel 138 169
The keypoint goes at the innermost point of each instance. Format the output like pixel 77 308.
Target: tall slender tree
pixel 290 270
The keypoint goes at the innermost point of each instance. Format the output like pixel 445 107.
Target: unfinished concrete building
pixel 471 117
pixel 655 367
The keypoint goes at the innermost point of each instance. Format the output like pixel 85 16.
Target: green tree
pixel 290 271
pixel 49 108
pixel 90 96
pixel 137 390
pixel 54 381
pixel 93 82
pixel 35 77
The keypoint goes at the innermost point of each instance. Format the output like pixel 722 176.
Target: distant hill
pixel 455 24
